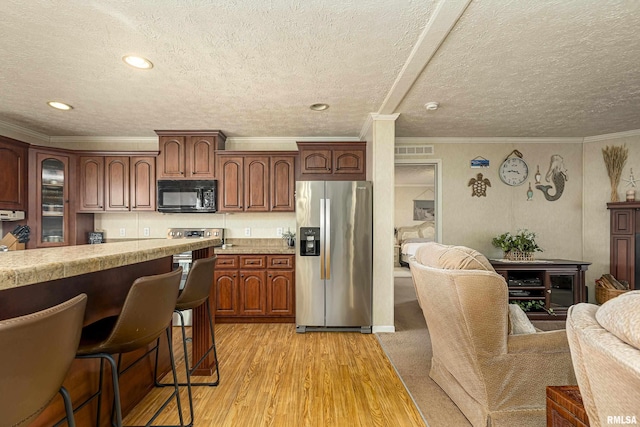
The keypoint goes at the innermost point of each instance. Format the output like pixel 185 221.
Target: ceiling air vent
pixel 413 150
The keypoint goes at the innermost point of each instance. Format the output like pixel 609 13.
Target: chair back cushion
pixel 198 284
pixel 447 257
pixel 146 313
pixel 36 352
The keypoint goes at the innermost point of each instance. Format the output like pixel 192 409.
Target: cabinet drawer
pixel 253 261
pixel 280 261
pixel 227 261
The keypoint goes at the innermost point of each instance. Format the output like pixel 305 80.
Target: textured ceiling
pixel 252 68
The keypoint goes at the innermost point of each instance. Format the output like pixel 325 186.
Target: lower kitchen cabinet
pixel 255 288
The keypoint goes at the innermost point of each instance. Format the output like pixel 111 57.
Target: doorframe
pixel 438 188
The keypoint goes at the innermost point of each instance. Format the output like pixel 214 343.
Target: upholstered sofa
pixel 605 347
pixel 496 379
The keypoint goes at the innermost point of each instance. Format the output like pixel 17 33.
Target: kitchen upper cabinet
pixel 256 182
pixel 142 183
pixel 282 183
pixel 335 161
pixel 188 154
pixel 91 183
pixel 116 183
pixel 52 200
pixel 13 174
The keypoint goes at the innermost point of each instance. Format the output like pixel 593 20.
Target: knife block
pixel 11 242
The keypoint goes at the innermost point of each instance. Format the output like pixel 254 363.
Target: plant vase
pixel 516 255
pixel 291 242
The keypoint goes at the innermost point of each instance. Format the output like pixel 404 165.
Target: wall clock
pixel 514 170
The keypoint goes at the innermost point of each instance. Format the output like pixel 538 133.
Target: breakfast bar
pixel 32 280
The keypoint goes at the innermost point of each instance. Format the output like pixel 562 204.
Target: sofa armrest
pixel 540 342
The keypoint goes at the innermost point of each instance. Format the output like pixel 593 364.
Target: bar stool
pixel 146 312
pixel 36 351
pixel 195 293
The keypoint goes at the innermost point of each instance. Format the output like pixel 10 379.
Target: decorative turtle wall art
pixel 479 185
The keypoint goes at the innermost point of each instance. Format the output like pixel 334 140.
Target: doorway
pixel 418 211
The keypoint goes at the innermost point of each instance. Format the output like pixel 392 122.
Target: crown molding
pixel 616 135
pixel 23 134
pixel 290 139
pixel 486 140
pixel 103 139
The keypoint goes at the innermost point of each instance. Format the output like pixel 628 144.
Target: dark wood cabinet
pixel 282 183
pixel 91 183
pixel 255 288
pixel 256 182
pixel 548 287
pixel 142 183
pixel 13 174
pixel 188 154
pixel 53 200
pixel 625 238
pixel 335 161
pixel 116 183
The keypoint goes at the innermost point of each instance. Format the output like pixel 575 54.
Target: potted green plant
pixel 290 237
pixel 519 246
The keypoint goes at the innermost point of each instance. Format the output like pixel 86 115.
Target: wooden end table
pixel 565 407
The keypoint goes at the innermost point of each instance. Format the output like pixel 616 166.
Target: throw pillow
pixel 519 323
pixel 621 317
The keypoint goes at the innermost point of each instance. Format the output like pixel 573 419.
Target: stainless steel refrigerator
pixel 334 255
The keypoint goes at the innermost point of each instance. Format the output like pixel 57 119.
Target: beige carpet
pixel 409 349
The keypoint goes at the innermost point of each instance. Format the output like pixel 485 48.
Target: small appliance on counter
pixel 96 237
pixel 184 259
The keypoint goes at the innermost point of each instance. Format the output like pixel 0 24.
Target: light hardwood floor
pixel 271 376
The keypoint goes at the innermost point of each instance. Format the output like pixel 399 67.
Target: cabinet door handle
pixel 271 275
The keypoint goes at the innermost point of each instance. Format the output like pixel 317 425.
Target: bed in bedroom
pixel 408 239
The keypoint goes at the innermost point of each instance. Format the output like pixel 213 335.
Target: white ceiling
pixel 251 68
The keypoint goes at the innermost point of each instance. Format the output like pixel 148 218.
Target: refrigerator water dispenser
pixel 309 241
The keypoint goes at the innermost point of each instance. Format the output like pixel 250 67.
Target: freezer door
pixel 348 253
pixel 309 277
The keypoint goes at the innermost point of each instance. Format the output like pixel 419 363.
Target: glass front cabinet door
pixel 52 194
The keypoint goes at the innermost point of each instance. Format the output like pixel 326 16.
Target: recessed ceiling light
pixel 138 62
pixel 431 106
pixel 319 107
pixel 59 105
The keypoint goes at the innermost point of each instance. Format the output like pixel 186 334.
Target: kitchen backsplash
pixel 154 225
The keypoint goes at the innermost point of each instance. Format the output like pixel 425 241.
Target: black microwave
pixel 187 196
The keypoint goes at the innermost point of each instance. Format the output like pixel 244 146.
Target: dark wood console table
pixel 625 235
pixel 555 284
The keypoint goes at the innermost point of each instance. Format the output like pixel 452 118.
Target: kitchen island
pixel 36 279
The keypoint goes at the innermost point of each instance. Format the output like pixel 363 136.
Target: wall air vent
pixel 413 150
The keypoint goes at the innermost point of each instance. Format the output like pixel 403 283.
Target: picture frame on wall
pixel 423 210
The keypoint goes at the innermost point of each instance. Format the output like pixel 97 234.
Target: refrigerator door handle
pixel 327 238
pixel 321 238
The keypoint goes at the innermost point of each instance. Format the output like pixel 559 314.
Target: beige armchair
pixel 496 379
pixel 605 347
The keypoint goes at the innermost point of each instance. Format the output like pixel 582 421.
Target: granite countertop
pixel 20 268
pixel 240 249
pixel 255 246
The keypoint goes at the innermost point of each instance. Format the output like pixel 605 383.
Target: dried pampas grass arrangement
pixel 614 160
